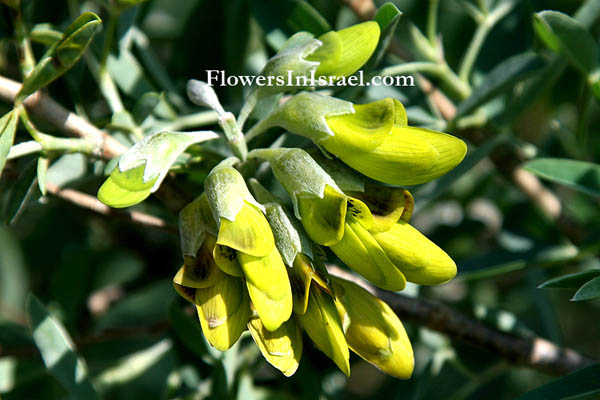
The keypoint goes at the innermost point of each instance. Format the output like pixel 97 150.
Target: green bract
pixel 143 167
pixel 373 138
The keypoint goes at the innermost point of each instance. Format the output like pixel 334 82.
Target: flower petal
pixel 282 348
pixel 419 259
pixel 323 218
pixel 322 324
pixel 361 252
pixel 387 205
pixel 226 259
pixel 223 310
pixel 200 271
pixel 373 331
pixel 269 287
pixel 250 233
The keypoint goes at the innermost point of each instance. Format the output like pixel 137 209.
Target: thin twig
pixel 91 203
pixel 534 352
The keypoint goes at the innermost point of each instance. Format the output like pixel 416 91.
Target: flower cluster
pixel 250 263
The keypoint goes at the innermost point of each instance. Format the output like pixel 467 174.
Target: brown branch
pixel 534 352
pixel 91 203
pixel 44 107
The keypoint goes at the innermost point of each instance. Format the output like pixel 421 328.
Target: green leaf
pixel 281 18
pixel 58 352
pixel 570 281
pixel 565 35
pixel 8 127
pixel 144 107
pixel 143 167
pixel 14 280
pixel 45 34
pixel 387 17
pixel 501 79
pixel 582 384
pixel 579 175
pixel 588 291
pixel 62 55
pixel 22 192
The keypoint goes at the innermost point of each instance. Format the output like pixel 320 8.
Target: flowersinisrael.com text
pixel 220 78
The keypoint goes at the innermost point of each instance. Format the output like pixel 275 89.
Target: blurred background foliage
pixel 108 283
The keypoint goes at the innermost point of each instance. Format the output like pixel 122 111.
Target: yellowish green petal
pixel 301 275
pixel 363 130
pixel 400 117
pixel 226 259
pixel 421 260
pixel 200 271
pixel 324 327
pixel 361 252
pixel 358 44
pixel 328 54
pixel 360 212
pixel 372 329
pixel 124 189
pixel 269 287
pixel 250 233
pixel 282 348
pixel 387 205
pixel 323 218
pixel 223 310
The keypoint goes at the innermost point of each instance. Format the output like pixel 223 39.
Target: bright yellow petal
pixel 359 251
pixel 323 219
pixel 421 260
pixel 223 310
pixel 282 348
pixel 386 204
pixel 250 233
pixel 322 324
pixel 200 271
pixel 269 287
pixel 373 330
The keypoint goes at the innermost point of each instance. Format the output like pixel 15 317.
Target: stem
pixel 26 59
pixel 417 66
pixel 258 128
pixel 481 33
pixel 432 21
pixel 247 108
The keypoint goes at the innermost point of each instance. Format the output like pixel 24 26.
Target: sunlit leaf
pixel 579 175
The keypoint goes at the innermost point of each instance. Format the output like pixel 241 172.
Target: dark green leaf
pixel 590 290
pixel 189 332
pixel 14 281
pixel 579 175
pixel 281 18
pixel 571 281
pixel 145 106
pixel 63 54
pixel 567 36
pixel 501 79
pixel 579 385
pixel 22 192
pixel 8 127
pixel 58 353
pixel 387 17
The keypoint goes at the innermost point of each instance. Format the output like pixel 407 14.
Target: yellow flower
pixel 245 246
pixel 372 329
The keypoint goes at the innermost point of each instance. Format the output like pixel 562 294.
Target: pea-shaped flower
pixel 303 58
pixel 373 330
pixel 373 138
pixel 330 217
pixel 245 246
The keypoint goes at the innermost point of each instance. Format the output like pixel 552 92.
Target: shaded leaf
pixel 570 281
pixel 58 352
pixel 8 127
pixel 588 291
pixel 63 54
pixel 582 384
pixel 579 175
pixel 22 192
pixel 565 35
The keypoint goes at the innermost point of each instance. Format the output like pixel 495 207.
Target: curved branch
pixel 531 352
